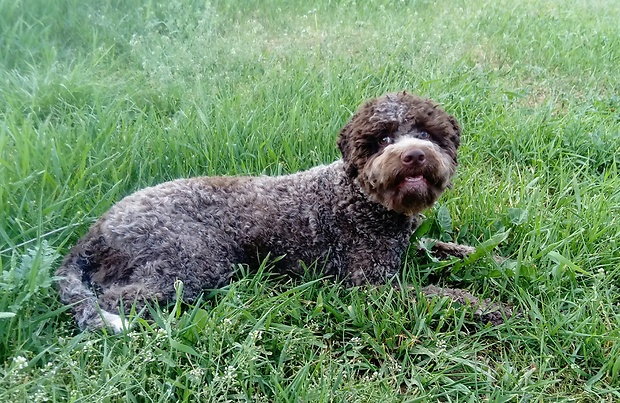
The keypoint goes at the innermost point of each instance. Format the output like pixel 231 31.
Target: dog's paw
pixel 486 311
pixel 114 322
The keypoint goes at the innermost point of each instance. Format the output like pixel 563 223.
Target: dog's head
pixel 402 151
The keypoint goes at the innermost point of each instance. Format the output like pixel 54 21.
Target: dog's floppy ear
pixel 345 146
pixel 354 134
pixel 456 138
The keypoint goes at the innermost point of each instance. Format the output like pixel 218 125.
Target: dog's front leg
pixel 486 311
pixel 447 250
pixel 444 250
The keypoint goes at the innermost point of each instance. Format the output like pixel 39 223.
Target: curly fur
pixel 353 217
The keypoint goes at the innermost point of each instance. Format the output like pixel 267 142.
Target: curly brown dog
pixel 353 217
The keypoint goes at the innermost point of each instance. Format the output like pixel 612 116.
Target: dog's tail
pixel 72 284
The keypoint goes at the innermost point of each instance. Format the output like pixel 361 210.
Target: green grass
pixel 100 98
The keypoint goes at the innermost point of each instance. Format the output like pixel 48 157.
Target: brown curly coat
pixel 353 218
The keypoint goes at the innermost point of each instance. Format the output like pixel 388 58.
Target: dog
pixel 353 218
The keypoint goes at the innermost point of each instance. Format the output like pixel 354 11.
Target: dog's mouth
pixel 414 183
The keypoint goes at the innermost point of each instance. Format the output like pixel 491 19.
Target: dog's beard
pixel 409 196
pixel 406 190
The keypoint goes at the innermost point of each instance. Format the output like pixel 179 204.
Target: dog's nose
pixel 413 157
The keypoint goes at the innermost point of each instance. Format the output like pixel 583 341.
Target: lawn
pixel 101 98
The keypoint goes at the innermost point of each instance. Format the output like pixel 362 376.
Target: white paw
pixel 114 322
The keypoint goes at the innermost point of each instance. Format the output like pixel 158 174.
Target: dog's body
pixel 353 218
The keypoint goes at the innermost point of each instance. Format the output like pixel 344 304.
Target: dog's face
pixel 402 151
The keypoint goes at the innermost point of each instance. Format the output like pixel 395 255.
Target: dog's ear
pixel 456 138
pixel 345 146
pixel 350 135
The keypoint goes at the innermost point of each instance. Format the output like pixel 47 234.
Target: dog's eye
pixel 386 141
pixel 423 135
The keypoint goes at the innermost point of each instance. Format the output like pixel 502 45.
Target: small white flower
pixel 20 362
pixel 195 375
